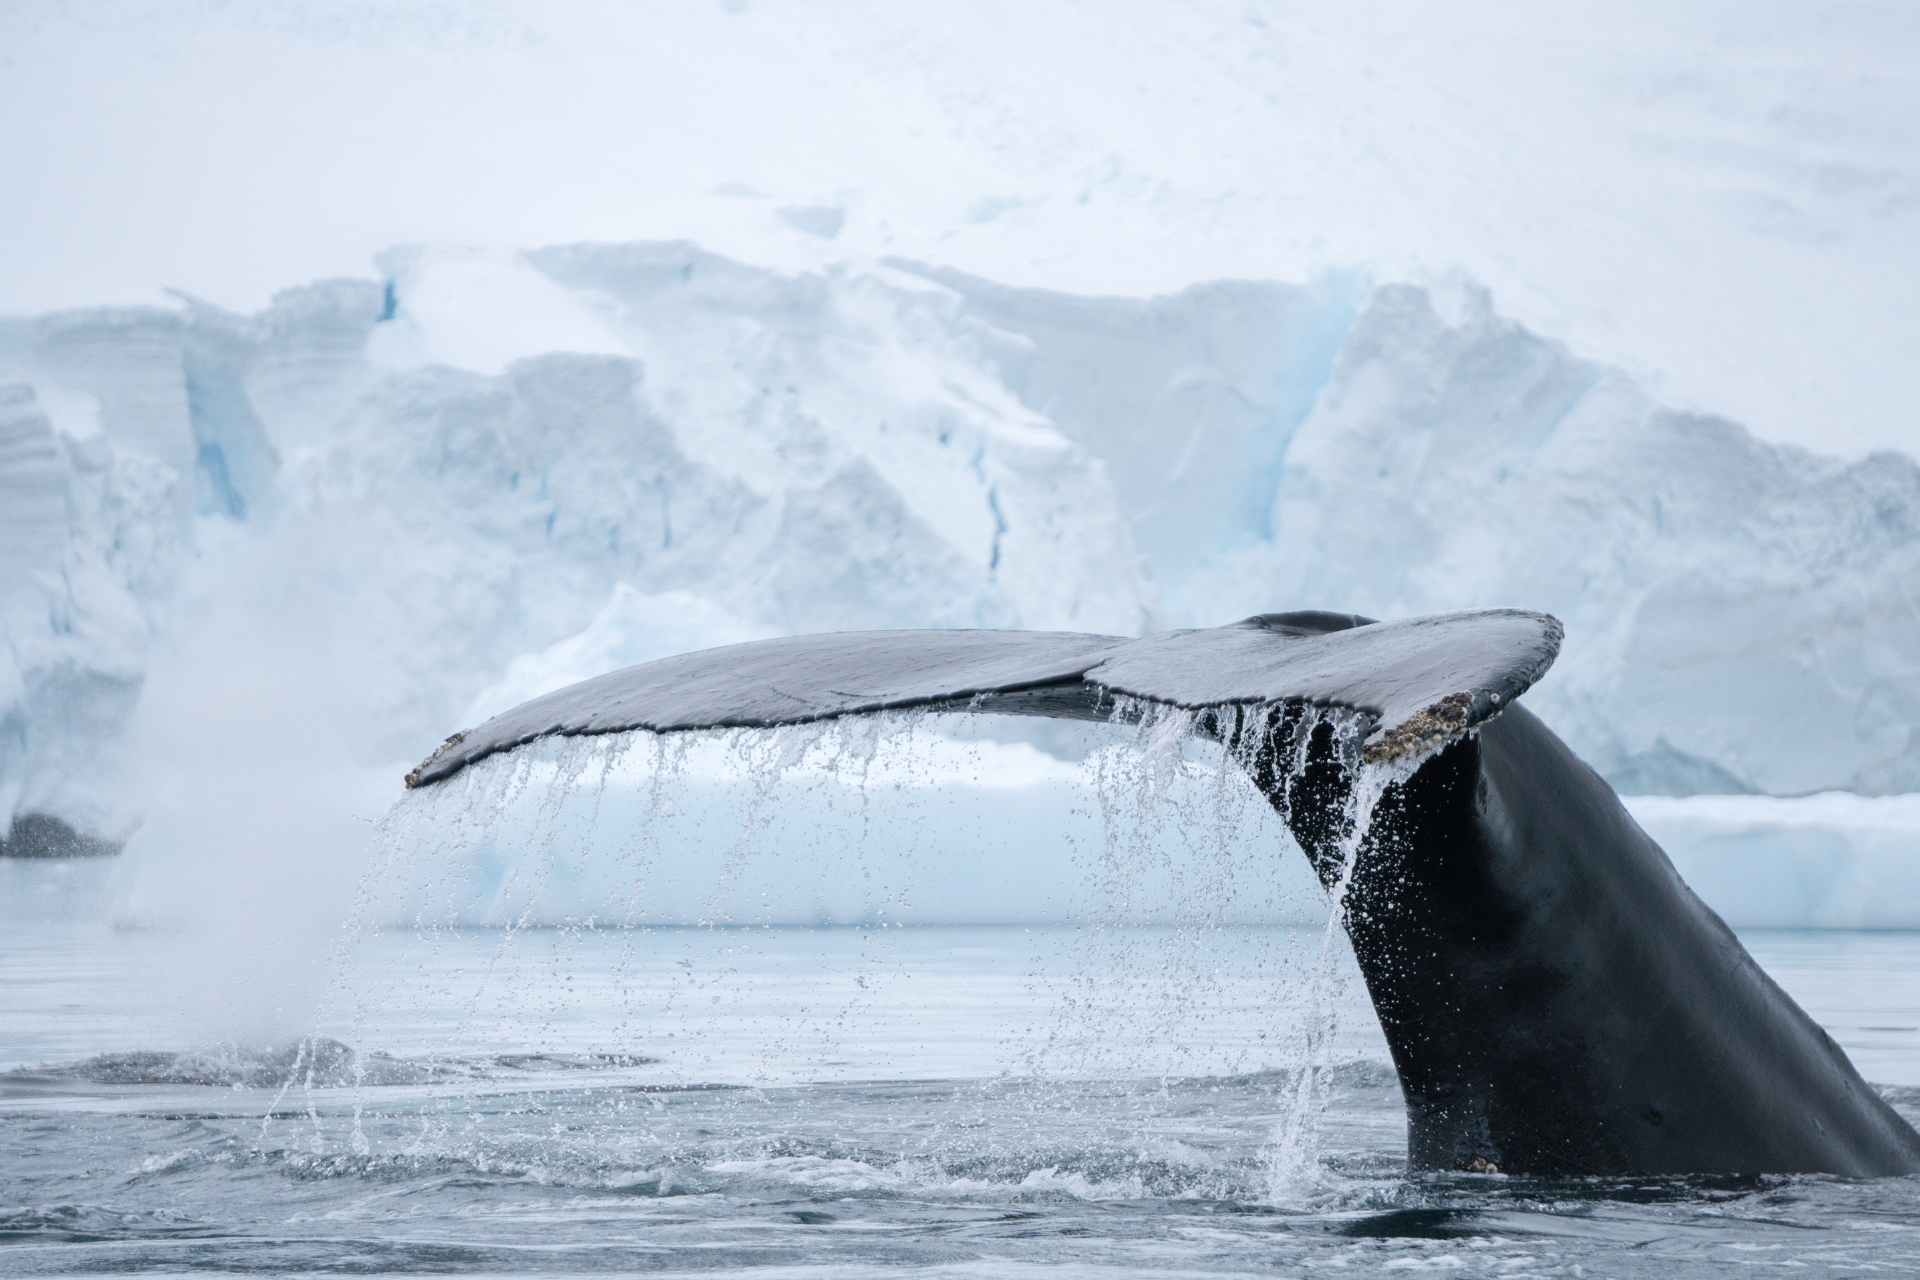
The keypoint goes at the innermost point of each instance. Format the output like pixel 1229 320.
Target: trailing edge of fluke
pixel 1556 1000
pixel 1423 681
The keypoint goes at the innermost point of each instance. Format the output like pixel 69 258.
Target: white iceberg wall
pixel 128 362
pixel 1190 400
pixel 633 627
pixel 33 543
pixel 1740 616
pixel 811 380
pixel 799 454
pixel 854 824
pixel 1831 861
pixel 89 544
pixel 426 498
pixel 924 830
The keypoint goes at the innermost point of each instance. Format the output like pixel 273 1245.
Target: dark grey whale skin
pixel 1556 1000
pixel 1420 679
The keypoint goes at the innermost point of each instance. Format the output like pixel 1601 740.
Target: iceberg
pixel 875 825
pixel 929 826
pixel 1829 861
pixel 484 474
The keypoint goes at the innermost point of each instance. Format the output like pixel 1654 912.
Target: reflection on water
pixel 986 1100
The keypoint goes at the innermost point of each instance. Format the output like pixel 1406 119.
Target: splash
pixel 1294 1161
pixel 1295 1167
pixel 576 856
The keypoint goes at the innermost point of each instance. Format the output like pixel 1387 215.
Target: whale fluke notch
pixel 1556 1000
pixel 1422 681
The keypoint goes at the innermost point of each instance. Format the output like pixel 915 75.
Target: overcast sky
pixel 1725 198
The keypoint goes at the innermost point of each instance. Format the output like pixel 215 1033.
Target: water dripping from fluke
pixel 1543 978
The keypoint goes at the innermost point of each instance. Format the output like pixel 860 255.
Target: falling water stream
pixel 515 1066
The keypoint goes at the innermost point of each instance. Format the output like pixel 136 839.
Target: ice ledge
pixel 1829 861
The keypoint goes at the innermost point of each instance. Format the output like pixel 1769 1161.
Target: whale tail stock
pixel 1555 998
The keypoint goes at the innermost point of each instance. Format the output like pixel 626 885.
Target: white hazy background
pixel 1722 197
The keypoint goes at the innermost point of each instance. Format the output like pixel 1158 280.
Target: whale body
pixel 1556 1000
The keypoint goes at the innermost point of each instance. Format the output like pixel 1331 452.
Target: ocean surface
pixel 947 1100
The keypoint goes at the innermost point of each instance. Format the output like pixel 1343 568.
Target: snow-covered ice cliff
pixel 248 559
pixel 488 473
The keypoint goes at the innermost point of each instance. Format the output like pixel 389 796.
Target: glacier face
pixel 1740 616
pixel 490 473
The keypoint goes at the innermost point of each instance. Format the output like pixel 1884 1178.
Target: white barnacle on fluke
pixel 1424 732
pixel 453 740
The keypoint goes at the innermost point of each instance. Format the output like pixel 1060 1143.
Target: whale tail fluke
pixel 1420 682
pixel 1556 1000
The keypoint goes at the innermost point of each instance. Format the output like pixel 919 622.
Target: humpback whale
pixel 1555 999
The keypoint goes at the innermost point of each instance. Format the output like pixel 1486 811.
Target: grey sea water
pixel 959 1100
